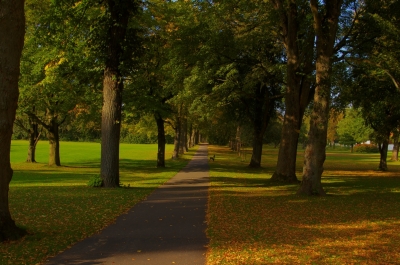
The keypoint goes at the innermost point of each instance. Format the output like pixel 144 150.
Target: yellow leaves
pixel 77 4
pixel 252 221
pixel 56 62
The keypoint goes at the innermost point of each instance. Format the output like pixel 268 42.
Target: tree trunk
pixel 193 137
pixel 112 93
pixel 395 151
pixel 314 156
pixel 183 135
pixel 298 90
pixel 54 141
pixel 12 30
pixel 257 151
pixel 33 140
pixel 383 149
pixel 262 114
pixel 110 128
pixel 177 138
pixel 186 135
pixel 161 140
pixel 237 139
pixel 197 137
pixel 190 134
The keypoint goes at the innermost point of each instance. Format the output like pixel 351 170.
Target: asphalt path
pixel 166 228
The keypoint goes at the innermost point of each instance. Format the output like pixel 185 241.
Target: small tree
pixel 352 128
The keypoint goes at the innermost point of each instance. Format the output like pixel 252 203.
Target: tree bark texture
pixel 34 135
pixel 160 140
pixel 298 92
pixel 395 151
pixel 12 30
pixel 177 138
pixel 314 156
pixel 112 92
pixel 54 142
pixel 110 128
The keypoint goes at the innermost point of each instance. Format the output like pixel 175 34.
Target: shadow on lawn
pixel 332 185
pixel 131 164
pixel 360 222
pixel 79 173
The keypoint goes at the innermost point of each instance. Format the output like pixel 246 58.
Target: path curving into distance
pixel 168 227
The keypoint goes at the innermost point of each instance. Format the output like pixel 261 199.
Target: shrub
pixel 95 181
pixel 366 148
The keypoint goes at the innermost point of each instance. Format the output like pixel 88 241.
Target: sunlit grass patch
pixel 254 221
pixel 58 209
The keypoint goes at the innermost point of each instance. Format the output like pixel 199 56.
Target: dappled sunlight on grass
pixel 254 221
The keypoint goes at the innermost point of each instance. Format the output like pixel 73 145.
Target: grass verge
pixel 58 209
pixel 254 221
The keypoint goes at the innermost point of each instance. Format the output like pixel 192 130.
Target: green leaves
pixel 352 128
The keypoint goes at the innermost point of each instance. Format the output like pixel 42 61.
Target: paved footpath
pixel 166 228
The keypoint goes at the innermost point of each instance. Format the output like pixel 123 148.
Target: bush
pixel 95 181
pixel 366 148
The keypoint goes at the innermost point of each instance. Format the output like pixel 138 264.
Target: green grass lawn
pixel 254 221
pixel 58 209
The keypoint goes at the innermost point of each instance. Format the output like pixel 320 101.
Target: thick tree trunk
pixel 263 109
pixel 110 128
pixel 383 149
pixel 12 30
pixel 161 140
pixel 298 90
pixel 33 140
pixel 395 151
pixel 314 155
pixel 54 141
pixel 177 138
pixel 112 92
